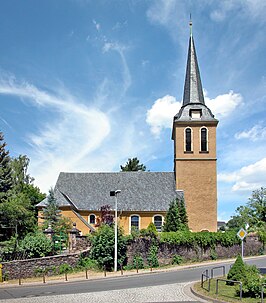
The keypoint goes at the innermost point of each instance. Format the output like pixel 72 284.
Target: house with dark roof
pixel 145 196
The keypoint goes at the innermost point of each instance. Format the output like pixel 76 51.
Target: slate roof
pixel 140 191
pixel 193 97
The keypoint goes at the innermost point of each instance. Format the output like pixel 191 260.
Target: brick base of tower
pixel 197 178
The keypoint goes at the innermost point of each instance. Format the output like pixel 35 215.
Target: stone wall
pixel 252 246
pixel 27 268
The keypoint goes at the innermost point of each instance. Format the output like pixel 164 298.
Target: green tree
pixel 51 212
pixel 5 170
pixel 133 165
pixel 18 216
pixel 102 250
pixel 183 214
pixel 176 217
pixel 237 271
pixel 253 213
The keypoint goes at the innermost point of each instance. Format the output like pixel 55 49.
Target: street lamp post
pixel 115 193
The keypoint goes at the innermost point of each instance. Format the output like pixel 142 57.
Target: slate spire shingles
pixel 193 92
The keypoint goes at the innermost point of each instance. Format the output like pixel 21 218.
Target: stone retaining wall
pixel 28 268
pixel 166 251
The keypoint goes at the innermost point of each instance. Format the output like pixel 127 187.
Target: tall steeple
pixel 193 106
pixel 193 89
pixel 194 135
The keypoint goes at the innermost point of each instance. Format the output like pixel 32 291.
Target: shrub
pixel 65 268
pixel 36 245
pixel 237 271
pixel 138 262
pixel 177 259
pixel 213 254
pixel 87 263
pixel 103 242
pixel 152 256
pixel 251 282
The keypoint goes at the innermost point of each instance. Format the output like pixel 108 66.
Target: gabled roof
pixel 140 191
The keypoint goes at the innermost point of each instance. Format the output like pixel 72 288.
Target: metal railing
pixel 232 281
pixel 205 278
pixel 217 267
pixel 262 292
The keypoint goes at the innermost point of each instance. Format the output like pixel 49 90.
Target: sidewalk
pixel 92 275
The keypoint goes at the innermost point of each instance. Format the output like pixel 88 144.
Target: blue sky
pixel 84 85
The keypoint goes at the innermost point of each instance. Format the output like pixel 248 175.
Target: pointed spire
pixel 193 88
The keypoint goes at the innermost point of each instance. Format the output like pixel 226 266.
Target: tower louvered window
pixel 203 135
pixel 188 140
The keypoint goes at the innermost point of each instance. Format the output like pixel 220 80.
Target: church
pixel 144 197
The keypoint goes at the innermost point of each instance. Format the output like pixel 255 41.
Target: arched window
pixel 92 219
pixel 158 222
pixel 134 222
pixel 188 139
pixel 204 139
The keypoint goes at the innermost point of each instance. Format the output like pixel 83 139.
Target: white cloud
pixel 63 142
pixel 248 178
pixel 161 114
pixel 250 8
pixel 224 105
pixel 257 132
pixel 163 110
pixel 97 25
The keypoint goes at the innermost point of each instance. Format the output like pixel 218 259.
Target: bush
pixel 138 262
pixel 213 254
pixel 237 271
pixel 177 259
pixel 87 263
pixel 65 268
pixel 36 245
pixel 103 242
pixel 251 282
pixel 152 256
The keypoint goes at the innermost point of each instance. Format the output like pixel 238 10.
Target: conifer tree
pixel 133 165
pixel 51 213
pixel 172 220
pixel 5 170
pixel 176 217
pixel 183 214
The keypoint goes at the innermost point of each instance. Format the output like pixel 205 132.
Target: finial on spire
pixel 190 24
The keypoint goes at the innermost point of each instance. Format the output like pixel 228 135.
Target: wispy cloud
pixel 97 25
pixel 247 178
pixel 65 140
pixel 254 9
pixel 257 132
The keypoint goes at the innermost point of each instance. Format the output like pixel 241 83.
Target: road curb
pixel 207 299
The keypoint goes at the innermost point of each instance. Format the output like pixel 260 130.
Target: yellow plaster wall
pixel 123 219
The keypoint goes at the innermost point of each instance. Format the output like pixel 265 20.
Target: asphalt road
pixel 118 283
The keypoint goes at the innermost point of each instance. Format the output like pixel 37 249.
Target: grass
pixel 226 293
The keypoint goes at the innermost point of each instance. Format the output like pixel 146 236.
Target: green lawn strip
pixel 226 293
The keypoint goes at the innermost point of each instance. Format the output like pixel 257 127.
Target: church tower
pixel 194 135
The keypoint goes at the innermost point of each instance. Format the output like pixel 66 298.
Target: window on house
pixel 188 138
pixel 92 219
pixel 158 222
pixel 203 136
pixel 134 223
